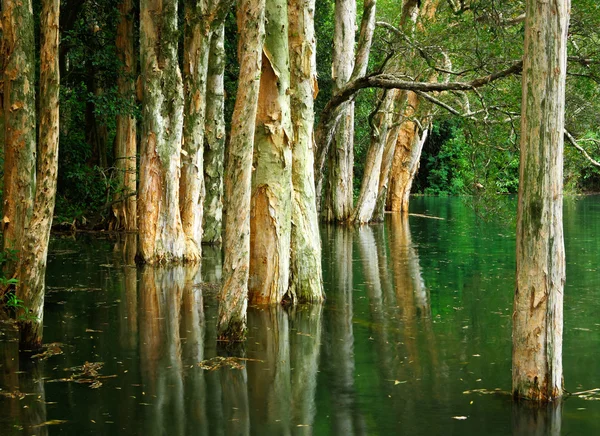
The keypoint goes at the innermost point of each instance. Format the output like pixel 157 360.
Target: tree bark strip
pixel 538 304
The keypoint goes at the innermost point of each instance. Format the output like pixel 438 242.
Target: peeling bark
pixel 306 277
pixel 538 303
pixel 161 233
pixel 214 140
pixel 125 211
pixel 236 265
pixel 338 201
pixel 32 264
pixel 271 207
pixel 19 123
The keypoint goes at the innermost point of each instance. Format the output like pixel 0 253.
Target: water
pixel 415 333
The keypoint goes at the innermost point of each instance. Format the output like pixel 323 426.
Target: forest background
pixel 475 155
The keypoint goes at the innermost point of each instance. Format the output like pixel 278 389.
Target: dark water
pixel 414 334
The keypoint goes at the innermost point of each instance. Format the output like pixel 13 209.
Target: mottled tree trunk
pixel 214 139
pixel 271 208
pixel 306 277
pixel 125 210
pixel 410 156
pixel 538 303
pixel 32 269
pixel 365 206
pixel 338 200
pixel 236 265
pixel 196 48
pixel 161 233
pixel 19 123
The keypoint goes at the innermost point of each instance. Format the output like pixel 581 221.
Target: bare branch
pixel 575 144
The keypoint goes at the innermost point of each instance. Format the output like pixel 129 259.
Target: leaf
pixel 397 382
pixel 459 418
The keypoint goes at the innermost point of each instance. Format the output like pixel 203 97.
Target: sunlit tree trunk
pixel 339 188
pixel 18 61
pixel 32 268
pixel 405 158
pixel 538 303
pixel 214 139
pixel 161 233
pixel 271 209
pixel 125 210
pixel 306 277
pixel 365 206
pixel 236 265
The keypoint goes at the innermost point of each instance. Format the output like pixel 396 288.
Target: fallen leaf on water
pixel 460 418
pixel 51 422
pixel 398 382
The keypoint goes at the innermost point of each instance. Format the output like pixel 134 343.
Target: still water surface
pixel 415 333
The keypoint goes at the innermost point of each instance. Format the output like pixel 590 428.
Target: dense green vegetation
pixel 463 156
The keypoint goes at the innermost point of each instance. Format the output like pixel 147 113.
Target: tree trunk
pixel 161 233
pixel 125 210
pixel 236 265
pixel 404 155
pixel 196 48
pixel 271 209
pixel 19 123
pixel 339 187
pixel 32 269
pixel 306 277
pixel 214 139
pixel 538 303
pixel 365 206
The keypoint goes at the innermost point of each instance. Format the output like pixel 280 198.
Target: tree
pixel 201 18
pixel 236 245
pixel 19 123
pixel 306 278
pixel 161 233
pixel 538 303
pixel 30 188
pixel 214 139
pixel 125 208
pixel 338 200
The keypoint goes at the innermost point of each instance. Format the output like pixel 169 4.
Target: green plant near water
pixel 9 302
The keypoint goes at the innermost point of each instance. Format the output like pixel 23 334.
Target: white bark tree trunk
pixel 214 140
pixel 306 277
pixel 339 187
pixel 538 303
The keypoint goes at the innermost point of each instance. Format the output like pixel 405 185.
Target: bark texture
pixel 32 268
pixel 161 233
pixel 538 304
pixel 236 265
pixel 19 123
pixel 339 187
pixel 406 158
pixel 271 209
pixel 214 139
pixel 306 280
pixel 125 210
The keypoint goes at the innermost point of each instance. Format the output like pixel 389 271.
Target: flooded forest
pixel 277 217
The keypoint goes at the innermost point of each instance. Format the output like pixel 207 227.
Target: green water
pixel 415 332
